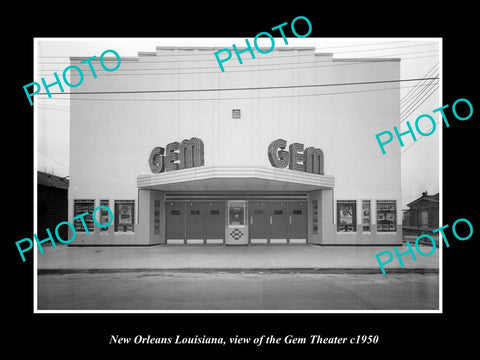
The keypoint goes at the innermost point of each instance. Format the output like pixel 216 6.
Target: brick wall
pixel 52 208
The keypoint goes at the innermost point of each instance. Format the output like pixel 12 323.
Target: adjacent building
pixel 52 203
pixel 422 214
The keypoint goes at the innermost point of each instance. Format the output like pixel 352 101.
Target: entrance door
pixel 259 221
pixel 278 222
pixel 175 218
pixel 195 222
pixel 297 222
pixel 215 222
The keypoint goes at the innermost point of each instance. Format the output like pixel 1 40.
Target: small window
pixel 346 215
pixel 194 212
pixel 174 212
pixel 235 113
pixel 297 212
pixel 258 212
pixel 80 207
pixel 315 216
pixel 424 218
pixel 214 212
pixel 236 213
pixel 104 216
pixel 124 215
pixel 386 215
pixel 277 212
pixel 156 217
pixel 366 215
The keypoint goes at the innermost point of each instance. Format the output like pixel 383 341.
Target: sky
pixel 420 57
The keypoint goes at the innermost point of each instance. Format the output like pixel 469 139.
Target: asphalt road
pixel 237 291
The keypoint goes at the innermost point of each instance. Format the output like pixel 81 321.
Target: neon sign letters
pixel 308 160
pixel 177 156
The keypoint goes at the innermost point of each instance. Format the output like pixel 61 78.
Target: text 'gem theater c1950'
pixel 291 164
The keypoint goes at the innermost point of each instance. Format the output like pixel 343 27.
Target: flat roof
pixel 279 48
pixel 214 48
pixel 107 58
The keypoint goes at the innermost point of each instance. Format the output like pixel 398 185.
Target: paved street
pixel 158 290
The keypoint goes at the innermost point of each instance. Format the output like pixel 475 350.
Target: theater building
pixel 280 149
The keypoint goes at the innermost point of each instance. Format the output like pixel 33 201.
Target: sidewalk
pixel 258 258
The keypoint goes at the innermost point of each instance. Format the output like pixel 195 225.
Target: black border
pixel 60 335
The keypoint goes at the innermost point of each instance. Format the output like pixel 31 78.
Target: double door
pixel 195 222
pixel 267 222
pixel 277 221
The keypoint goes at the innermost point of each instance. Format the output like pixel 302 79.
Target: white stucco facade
pixel 294 94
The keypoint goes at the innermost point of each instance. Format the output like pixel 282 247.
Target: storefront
pixel 256 155
pixel 227 222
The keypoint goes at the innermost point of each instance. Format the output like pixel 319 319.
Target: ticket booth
pixel 237 226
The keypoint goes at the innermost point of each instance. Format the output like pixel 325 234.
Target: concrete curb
pixel 241 270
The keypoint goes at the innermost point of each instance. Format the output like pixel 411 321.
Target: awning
pixel 237 178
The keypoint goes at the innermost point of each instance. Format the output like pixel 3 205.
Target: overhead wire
pixel 234 89
pixel 419 102
pixel 229 98
pixel 243 67
pixel 414 101
pixel 381 49
pixel 349 63
pixel 415 142
pixel 410 93
pixel 143 61
pixel 317 48
pixel 59 163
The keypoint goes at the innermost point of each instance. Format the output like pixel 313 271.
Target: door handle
pixel 290 219
pixel 251 220
pixel 270 220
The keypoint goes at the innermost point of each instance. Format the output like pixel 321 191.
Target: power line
pixel 218 48
pixel 52 159
pixel 427 130
pixel 235 89
pixel 269 57
pixel 369 44
pixel 411 106
pixel 233 98
pixel 189 60
pixel 271 97
pixel 54 109
pixel 408 95
pixel 409 146
pixel 424 97
pixel 244 69
pixel 415 100
pixel 52 104
pixel 118 72
pixel 381 49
